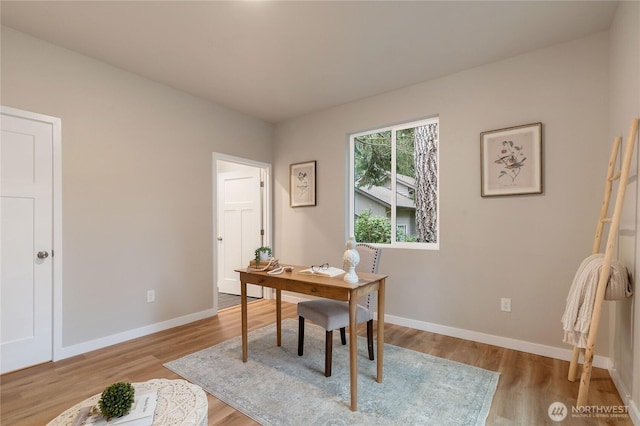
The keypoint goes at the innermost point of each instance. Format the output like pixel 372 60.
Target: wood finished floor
pixel 226 300
pixel 528 383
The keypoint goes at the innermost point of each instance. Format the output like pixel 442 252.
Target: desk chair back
pixel 333 314
pixel 369 262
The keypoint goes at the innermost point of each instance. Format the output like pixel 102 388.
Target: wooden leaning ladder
pixel 614 221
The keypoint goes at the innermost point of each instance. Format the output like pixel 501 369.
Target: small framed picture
pixel 511 161
pixel 302 184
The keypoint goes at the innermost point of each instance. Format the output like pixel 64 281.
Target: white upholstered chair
pixel 334 314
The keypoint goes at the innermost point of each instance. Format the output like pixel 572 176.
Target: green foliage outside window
pixel 373 157
pixel 372 229
pixel 401 235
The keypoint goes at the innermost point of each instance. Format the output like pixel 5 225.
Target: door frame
pixel 266 213
pixel 56 253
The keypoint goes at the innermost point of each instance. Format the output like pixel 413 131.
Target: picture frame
pixel 511 161
pixel 302 184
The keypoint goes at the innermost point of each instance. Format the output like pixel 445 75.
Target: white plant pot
pixel 264 256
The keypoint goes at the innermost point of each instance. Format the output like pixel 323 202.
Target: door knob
pixel 43 254
pixel 219 238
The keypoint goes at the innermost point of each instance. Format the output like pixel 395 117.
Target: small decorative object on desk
pixel 263 265
pixel 262 254
pixel 263 260
pixel 351 259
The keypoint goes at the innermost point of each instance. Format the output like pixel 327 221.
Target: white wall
pixel 624 66
pixel 137 207
pixel 526 248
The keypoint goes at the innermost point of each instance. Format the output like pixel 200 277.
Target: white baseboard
pixel 625 394
pixel 503 342
pixel 634 412
pixel 92 345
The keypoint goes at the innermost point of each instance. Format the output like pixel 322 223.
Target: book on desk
pixel 329 271
pixel 263 265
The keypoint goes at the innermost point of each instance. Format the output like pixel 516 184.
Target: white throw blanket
pixel 577 314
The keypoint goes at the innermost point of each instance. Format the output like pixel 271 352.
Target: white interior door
pixel 26 236
pixel 239 226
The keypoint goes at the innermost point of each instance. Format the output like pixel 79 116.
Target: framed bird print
pixel 511 161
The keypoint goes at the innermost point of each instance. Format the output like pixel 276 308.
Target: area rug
pixel 277 387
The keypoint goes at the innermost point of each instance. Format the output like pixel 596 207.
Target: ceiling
pixel 276 60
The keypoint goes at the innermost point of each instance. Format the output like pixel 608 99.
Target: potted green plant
pixel 262 254
pixel 116 400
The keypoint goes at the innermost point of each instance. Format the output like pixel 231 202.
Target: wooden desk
pixel 330 288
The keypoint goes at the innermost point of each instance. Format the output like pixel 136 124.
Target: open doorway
pixel 241 222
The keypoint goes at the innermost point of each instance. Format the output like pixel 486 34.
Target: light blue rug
pixel 277 387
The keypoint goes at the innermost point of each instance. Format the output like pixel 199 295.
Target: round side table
pixel 180 403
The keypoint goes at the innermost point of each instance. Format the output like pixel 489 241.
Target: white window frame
pixel 351 177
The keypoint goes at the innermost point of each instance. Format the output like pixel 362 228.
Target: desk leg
pixel 381 295
pixel 353 351
pixel 279 317
pixel 243 303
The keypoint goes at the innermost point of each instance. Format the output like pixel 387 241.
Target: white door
pixel 239 226
pixel 26 237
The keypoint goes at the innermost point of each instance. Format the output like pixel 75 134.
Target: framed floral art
pixel 302 184
pixel 511 161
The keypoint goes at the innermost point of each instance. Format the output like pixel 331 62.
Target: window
pixel 394 185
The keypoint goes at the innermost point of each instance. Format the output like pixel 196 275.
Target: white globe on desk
pixel 351 258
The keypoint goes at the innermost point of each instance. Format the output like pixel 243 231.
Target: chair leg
pixel 328 353
pixel 343 336
pixel 370 338
pixel 300 335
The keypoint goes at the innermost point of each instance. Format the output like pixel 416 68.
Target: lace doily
pixel 180 403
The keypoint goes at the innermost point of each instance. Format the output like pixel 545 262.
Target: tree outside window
pixel 394 177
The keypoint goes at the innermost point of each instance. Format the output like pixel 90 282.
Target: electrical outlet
pixel 505 304
pixel 151 296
